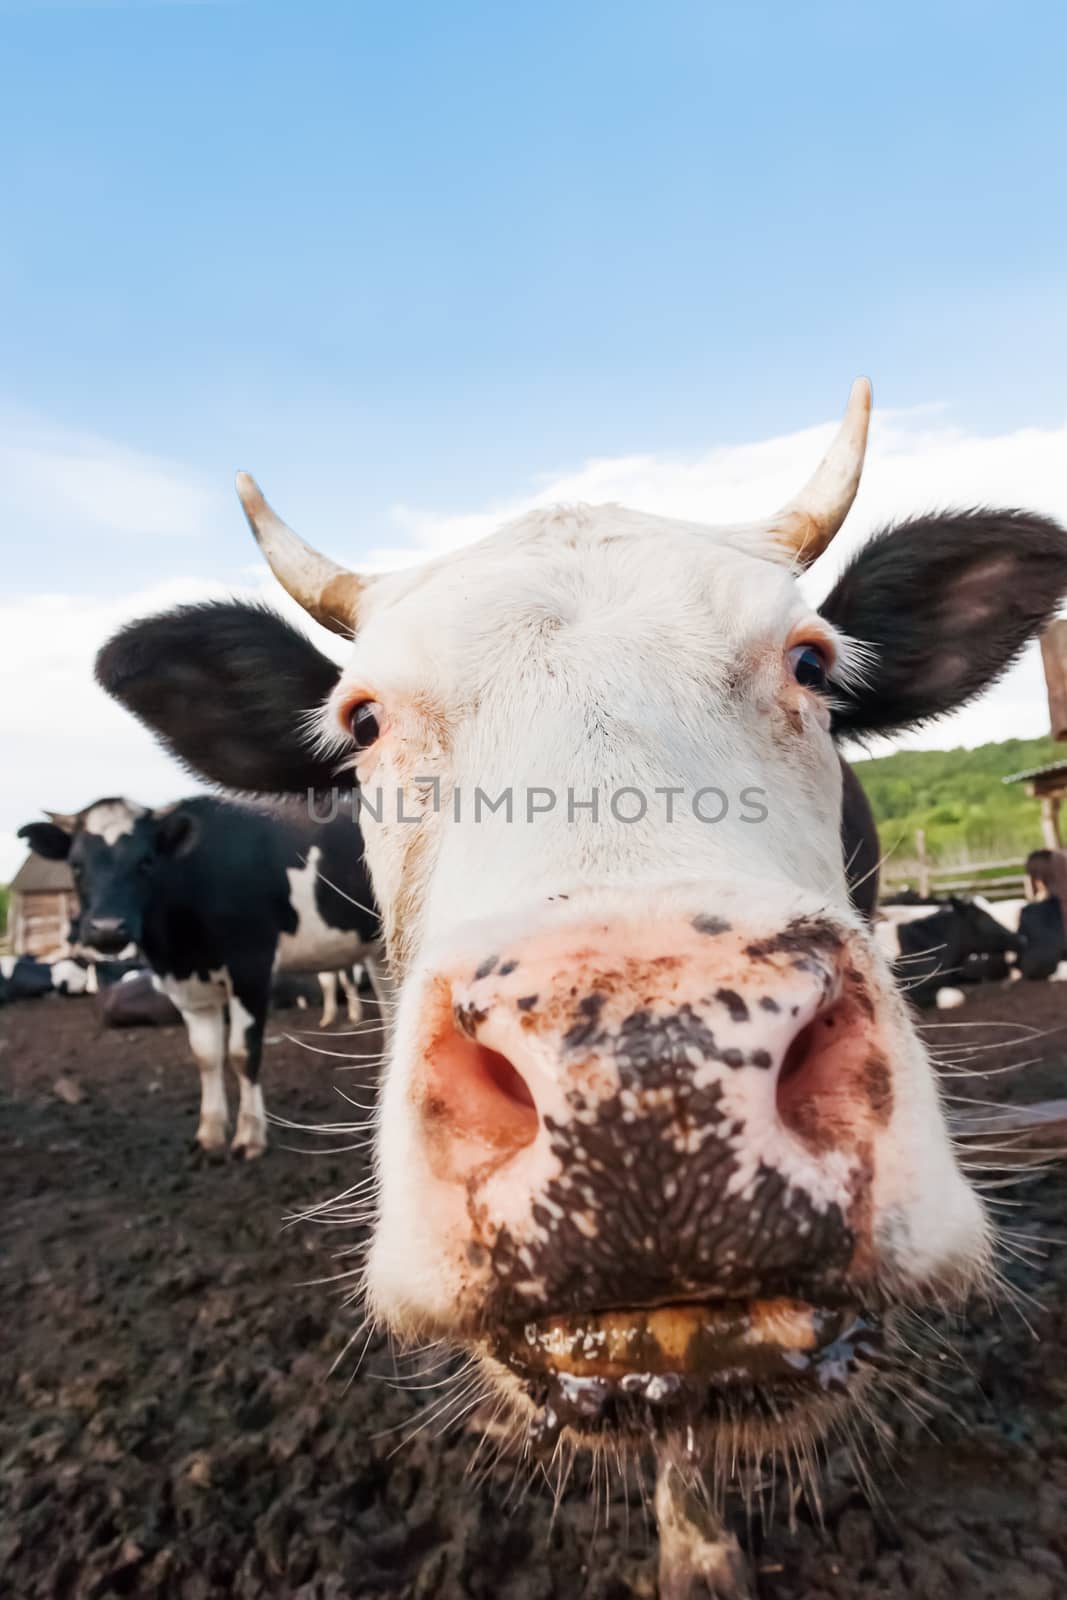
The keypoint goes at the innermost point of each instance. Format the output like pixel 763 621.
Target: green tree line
pixel 958 798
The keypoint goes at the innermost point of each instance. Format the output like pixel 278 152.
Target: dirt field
pixel 169 1425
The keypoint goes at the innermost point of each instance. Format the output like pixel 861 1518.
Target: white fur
pixel 328 984
pixel 202 1003
pixel 315 946
pixel 349 982
pixel 1006 912
pixel 68 977
pixel 349 985
pixel 251 1134
pixel 111 820
pixel 602 648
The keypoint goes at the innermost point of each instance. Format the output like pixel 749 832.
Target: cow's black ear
pixel 229 689
pixel 45 839
pixel 176 833
pixel 944 605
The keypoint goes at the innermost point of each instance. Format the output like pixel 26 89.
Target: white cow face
pixel 658 1139
pixel 590 699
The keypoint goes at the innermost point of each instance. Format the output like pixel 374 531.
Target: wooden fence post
pixel 1050 821
pixel 1054 659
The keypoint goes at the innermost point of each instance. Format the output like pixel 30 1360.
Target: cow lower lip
pixel 679 1363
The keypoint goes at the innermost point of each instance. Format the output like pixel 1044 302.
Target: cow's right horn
pixel 327 592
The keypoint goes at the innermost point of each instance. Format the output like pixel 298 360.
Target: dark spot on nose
pixel 769 1004
pixel 486 967
pixel 583 1030
pixel 527 1002
pixel 878 1082
pixel 508 967
pixel 734 1004
pixel 710 925
pixel 469 1018
pixel 804 937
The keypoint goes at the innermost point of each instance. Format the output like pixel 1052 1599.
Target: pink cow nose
pixel 637 1047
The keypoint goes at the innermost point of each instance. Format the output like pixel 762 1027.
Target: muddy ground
pixel 169 1424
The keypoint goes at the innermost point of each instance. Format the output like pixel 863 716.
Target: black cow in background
pixel 216 896
pixel 26 978
pixel 958 943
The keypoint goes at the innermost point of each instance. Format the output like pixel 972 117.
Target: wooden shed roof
pixel 38 876
pixel 1055 769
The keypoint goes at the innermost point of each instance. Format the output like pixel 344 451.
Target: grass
pixel 958 798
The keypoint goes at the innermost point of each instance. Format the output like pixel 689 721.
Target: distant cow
pixel 217 896
pixel 935 946
pixel 26 978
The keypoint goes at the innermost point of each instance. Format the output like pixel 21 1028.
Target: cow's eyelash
pixel 853 663
pixel 323 734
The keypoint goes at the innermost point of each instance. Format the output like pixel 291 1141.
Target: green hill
pixel 958 798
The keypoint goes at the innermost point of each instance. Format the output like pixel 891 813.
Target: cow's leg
pixel 206 1027
pixel 92 982
pixel 350 985
pixel 328 981
pixel 249 999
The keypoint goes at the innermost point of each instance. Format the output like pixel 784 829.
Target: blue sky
pixel 412 263
pixel 426 252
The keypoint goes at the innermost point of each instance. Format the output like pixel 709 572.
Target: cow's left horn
pixel 327 592
pixel 67 820
pixel 804 527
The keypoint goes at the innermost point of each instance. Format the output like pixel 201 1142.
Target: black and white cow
pixel 937 946
pixel 658 1143
pixel 26 978
pixel 217 896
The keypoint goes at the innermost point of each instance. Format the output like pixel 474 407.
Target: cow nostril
pixel 807 1079
pixel 796 1055
pixel 475 1097
pixel 507 1079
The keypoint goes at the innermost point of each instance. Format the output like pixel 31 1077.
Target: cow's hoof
pixel 250 1140
pixel 248 1152
pixel 211 1136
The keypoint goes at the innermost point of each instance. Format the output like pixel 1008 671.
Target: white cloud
pixel 917 461
pixel 65 743
pixel 61 476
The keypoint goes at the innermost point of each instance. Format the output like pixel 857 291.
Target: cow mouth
pixel 680 1365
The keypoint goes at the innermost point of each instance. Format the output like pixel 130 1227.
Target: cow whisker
pixel 319 1050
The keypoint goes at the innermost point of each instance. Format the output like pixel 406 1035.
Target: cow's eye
pixel 365 723
pixel 809 666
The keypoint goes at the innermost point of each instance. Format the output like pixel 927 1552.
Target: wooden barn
pixel 43 901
